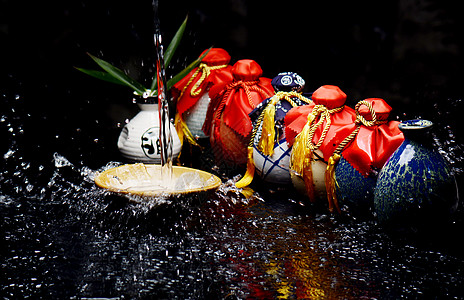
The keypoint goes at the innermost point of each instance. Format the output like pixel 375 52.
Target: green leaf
pixel 185 71
pixel 100 75
pixel 171 49
pixel 119 75
pixel 174 43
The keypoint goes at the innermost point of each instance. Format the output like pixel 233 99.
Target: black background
pixel 408 52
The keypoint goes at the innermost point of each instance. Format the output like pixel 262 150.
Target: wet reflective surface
pixel 64 237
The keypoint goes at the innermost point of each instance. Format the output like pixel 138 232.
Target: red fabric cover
pixel 227 121
pixel 215 57
pixel 331 97
pixel 232 98
pixel 373 145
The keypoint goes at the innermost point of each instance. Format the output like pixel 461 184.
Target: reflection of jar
pixel 139 139
pixel 416 186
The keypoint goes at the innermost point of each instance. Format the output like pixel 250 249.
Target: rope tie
pixel 181 127
pixel 268 134
pixel 266 142
pixel 301 157
pixel 247 86
pixel 330 180
pixel 205 72
pixel 250 171
pixel 324 113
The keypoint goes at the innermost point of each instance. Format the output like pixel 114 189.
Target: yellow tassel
pixel 300 148
pixel 308 178
pixel 250 172
pixel 247 192
pixel 267 139
pixel 184 132
pixel 179 124
pixel 331 182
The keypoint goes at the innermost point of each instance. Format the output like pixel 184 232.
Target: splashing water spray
pixel 149 180
pixel 163 104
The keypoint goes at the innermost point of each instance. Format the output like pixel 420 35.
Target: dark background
pixel 408 52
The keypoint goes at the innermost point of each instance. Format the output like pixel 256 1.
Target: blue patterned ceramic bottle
pixel 376 140
pixel 416 187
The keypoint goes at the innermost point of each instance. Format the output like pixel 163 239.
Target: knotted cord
pixel 205 72
pixel 330 180
pixel 301 157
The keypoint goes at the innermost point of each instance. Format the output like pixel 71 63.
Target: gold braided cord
pixel 289 95
pixel 205 72
pixel 255 129
pixel 360 120
pixel 247 86
pixel 250 171
pixel 330 178
pixel 325 115
pixel 268 133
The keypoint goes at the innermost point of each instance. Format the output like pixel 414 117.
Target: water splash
pixel 66 238
pixel 166 141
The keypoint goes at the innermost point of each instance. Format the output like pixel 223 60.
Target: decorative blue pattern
pixel 416 185
pixel 353 189
pixel 274 163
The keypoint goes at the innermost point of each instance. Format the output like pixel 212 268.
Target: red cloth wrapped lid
pixel 331 97
pixel 188 91
pixel 373 145
pixel 235 100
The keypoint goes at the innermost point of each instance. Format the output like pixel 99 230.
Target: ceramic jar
pixel 274 167
pixel 365 154
pixel 192 92
pixel 139 139
pixel 416 186
pixel 311 130
pixel 230 125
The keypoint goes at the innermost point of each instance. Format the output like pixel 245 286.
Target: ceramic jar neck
pixel 148 107
pixel 417 131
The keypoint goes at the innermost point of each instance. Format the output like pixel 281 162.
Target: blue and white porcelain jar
pixel 274 167
pixel 416 186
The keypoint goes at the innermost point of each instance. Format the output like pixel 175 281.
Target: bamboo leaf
pixel 185 71
pixel 171 49
pixel 174 43
pixel 119 75
pixel 100 75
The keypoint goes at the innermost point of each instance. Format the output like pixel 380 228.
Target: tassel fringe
pixel 184 132
pixel 267 139
pixel 250 172
pixel 300 149
pixel 331 182
pixel 179 124
pixel 308 178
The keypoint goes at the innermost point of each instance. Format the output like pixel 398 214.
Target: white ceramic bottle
pixel 139 139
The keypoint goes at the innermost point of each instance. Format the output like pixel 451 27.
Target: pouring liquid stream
pixel 163 105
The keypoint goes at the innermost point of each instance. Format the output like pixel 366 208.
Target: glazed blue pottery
pixel 353 189
pixel 416 187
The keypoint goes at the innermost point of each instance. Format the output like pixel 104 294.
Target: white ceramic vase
pixel 196 115
pixel 139 139
pixel 318 168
